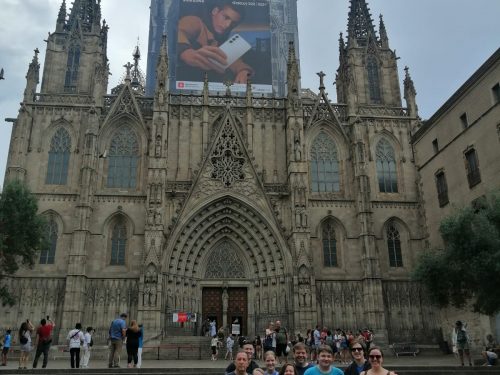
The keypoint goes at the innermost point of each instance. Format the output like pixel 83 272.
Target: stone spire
pixel 410 94
pixel 384 39
pixel 360 24
pixel 32 78
pixel 293 74
pixel 162 66
pixel 87 13
pixel 61 17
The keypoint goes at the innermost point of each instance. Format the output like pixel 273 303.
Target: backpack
pixel 23 340
pixel 461 336
pixel 268 341
pixel 91 343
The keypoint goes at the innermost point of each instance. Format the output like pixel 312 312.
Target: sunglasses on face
pixel 375 357
pixel 356 349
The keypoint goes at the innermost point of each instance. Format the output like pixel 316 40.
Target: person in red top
pixel 43 341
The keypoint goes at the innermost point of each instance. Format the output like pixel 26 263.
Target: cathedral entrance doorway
pixel 227 306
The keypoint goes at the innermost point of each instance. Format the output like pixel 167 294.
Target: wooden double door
pixel 237 307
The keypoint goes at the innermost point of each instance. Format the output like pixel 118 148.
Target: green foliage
pixel 468 268
pixel 22 232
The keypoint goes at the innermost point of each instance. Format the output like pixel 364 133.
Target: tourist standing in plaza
pixel 141 344
pixel 43 340
pixel 376 359
pixel 75 339
pixel 252 365
pixel 229 347
pixel 359 363
pixel 281 341
pixel 87 345
pixel 117 332
pixel 461 342
pixel 316 343
pixel 269 338
pixel 7 341
pixel 240 365
pixel 214 343
pixel 300 358
pixel 133 334
pixel 25 343
pixel 325 363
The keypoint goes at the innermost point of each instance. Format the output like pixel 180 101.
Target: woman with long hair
pixel 376 359
pixel 25 342
pixel 133 334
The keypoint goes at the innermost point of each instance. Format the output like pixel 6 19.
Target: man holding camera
pixel 43 341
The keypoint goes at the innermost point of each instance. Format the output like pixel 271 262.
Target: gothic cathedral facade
pixel 257 208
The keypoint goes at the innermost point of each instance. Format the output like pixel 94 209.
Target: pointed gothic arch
pixel 123 158
pixel 386 166
pixel 226 218
pixel 373 79
pixel 325 174
pixel 225 261
pixel 59 154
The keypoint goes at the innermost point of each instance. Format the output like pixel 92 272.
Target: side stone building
pixel 257 208
pixel 457 153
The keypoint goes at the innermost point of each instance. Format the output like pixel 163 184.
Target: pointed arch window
pixel 325 176
pixel 60 147
pixel 123 159
pixel 373 80
pixel 329 241
pixel 386 167
pixel 394 246
pixel 118 243
pixel 72 67
pixel 47 255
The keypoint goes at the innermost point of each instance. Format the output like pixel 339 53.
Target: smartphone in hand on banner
pixel 234 48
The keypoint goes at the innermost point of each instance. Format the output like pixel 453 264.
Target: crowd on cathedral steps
pixel 312 354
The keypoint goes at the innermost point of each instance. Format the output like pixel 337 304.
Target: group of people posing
pixel 244 364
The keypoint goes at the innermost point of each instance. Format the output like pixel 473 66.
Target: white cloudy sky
pixel 442 41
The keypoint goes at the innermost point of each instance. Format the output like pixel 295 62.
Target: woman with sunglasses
pixel 359 363
pixel 376 359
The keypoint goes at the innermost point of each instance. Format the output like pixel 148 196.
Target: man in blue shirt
pixel 325 360
pixel 117 332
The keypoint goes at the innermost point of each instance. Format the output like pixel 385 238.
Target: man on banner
pixel 199 39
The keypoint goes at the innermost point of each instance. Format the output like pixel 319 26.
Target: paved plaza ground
pixel 389 360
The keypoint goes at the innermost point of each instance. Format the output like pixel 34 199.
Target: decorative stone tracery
pixel 224 263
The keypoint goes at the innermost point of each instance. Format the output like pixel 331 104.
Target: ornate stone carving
pixel 227 157
pixel 224 263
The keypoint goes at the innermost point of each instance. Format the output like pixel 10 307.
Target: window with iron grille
pixel 394 246
pixel 47 255
pixel 60 148
pixel 118 243
pixel 329 244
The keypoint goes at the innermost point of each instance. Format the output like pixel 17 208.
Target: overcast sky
pixel 442 41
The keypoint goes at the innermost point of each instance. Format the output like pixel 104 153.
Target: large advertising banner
pixel 229 40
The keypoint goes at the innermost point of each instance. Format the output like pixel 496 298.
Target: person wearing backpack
pixel 75 339
pixel 87 345
pixel 25 342
pixel 461 341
